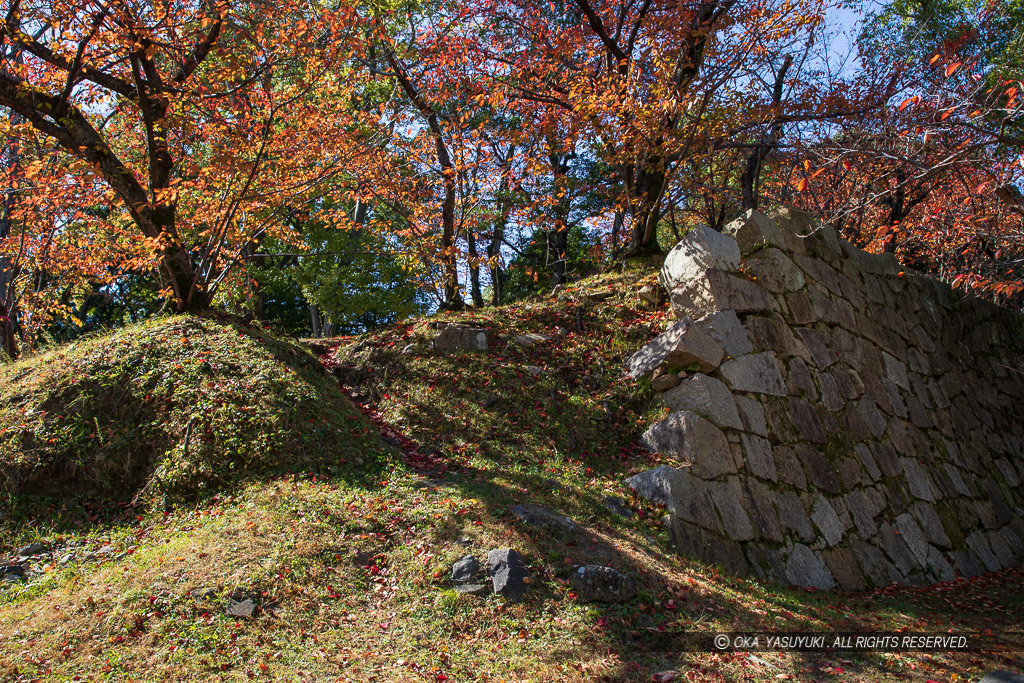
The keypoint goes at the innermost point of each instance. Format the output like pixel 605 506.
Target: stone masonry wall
pixel 842 421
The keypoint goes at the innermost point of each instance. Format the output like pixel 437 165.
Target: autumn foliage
pixel 196 140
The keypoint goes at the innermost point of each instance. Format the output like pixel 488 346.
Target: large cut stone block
pixel 728 499
pixel 684 344
pixel 717 290
pixel 775 271
pixel 726 329
pixel 660 485
pixel 701 249
pixel 806 568
pixel 706 396
pixel 824 517
pixel 692 439
pixel 758 373
pixel 753 229
pixel 683 494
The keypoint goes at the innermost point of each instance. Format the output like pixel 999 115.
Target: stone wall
pixel 841 421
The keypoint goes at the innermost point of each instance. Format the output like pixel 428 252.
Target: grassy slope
pixel 349 560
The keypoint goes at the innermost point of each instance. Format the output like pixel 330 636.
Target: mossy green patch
pixel 175 407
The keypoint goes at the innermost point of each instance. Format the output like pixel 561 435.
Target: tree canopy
pixel 382 157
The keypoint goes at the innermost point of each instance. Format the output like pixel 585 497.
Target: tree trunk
pixel 474 271
pixel 557 237
pixel 616 229
pixel 647 212
pixel 749 181
pixel 314 314
pixel 452 300
pixel 497 237
pixel 8 305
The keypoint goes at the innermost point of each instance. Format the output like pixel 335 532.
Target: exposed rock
pixel 509 576
pixel 758 373
pixel 538 515
pixel 775 271
pixel 664 382
pixel 843 565
pixel 861 426
pixel 603 584
pixel 726 329
pixel 700 249
pixel 824 517
pixel 682 345
pixel 472 589
pixel 657 485
pixel 719 291
pixel 29 550
pixel 649 295
pixel 453 339
pixel 465 570
pixel 806 568
pixel 531 339
pixel 727 498
pixel 706 396
pixel 11 570
pixel 753 230
pixel 692 439
pixel 240 605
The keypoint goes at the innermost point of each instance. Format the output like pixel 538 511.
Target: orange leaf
pixel 802 185
pixel 807 165
pixel 934 59
pixel 952 68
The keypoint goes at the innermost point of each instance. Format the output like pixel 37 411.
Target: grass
pixel 175 407
pixel 347 553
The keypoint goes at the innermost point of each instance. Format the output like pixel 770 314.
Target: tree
pixel 654 85
pixel 934 176
pixel 200 118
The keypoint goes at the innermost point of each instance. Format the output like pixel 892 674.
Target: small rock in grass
pixel 11 570
pixel 240 605
pixel 665 382
pixel 1002 676
pixel 617 505
pixel 29 550
pixel 471 589
pixel 465 570
pixel 538 515
pixel 603 584
pixel 528 340
pixel 509 576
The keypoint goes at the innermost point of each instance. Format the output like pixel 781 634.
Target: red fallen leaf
pixel 602 622
pixel 385 625
pixel 951 68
